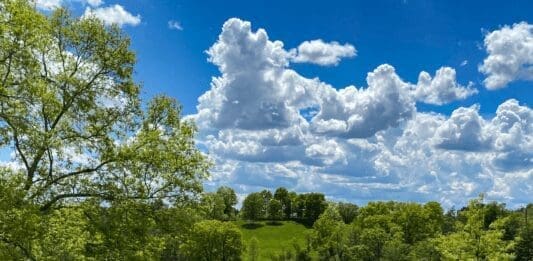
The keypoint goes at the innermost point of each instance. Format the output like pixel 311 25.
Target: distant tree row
pixel 283 205
pixel 411 231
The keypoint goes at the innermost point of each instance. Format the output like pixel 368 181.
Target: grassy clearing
pixel 273 238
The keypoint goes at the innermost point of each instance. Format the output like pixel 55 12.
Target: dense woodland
pixel 99 174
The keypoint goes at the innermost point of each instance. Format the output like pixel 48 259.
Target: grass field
pixel 273 238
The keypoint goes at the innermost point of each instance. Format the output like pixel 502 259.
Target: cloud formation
pixel 510 55
pixel 53 4
pixel 265 125
pixel 443 88
pixel 322 53
pixel 115 14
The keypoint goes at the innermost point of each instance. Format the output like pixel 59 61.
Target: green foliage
pixel 348 212
pixel 253 249
pixel 330 234
pixel 275 211
pixel 95 168
pixel 230 200
pixel 472 241
pixel 213 206
pixel 214 240
pixel 282 195
pixel 315 204
pixel 253 207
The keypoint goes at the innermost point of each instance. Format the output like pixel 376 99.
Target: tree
pixel 298 203
pixel 214 240
pixel 71 113
pixel 230 200
pixel 315 204
pixel 472 241
pixel 252 207
pixel 524 243
pixel 70 110
pixel 274 210
pixel 282 194
pixel 213 206
pixel 348 212
pixel 330 235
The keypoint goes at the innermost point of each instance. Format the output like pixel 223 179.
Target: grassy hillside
pixel 273 238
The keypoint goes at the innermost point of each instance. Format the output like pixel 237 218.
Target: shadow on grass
pixel 252 225
pixel 305 222
pixel 274 223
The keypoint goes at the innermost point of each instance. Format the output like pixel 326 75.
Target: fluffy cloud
pixel 463 131
pixel 115 14
pixel 265 126
pixel 53 4
pixel 510 56
pixel 354 113
pixel 441 89
pixel 322 53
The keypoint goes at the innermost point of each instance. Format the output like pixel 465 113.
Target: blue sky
pixel 390 136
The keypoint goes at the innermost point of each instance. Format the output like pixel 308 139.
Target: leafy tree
pixel 267 196
pixel 274 210
pixel 70 110
pixel 252 207
pixel 524 243
pixel 450 218
pixel 315 204
pixel 425 250
pixel 282 194
pixel 230 200
pixel 373 240
pixel 298 203
pixel 414 221
pixel 330 234
pixel 213 206
pixel 471 241
pixel 435 218
pixel 348 212
pixel 214 240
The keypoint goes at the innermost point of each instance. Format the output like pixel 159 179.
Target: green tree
pixel 330 235
pixel 230 200
pixel 315 204
pixel 70 110
pixel 348 211
pixel 472 241
pixel 524 242
pixel 214 240
pixel 274 210
pixel 282 194
pixel 213 206
pixel 72 113
pixel 252 207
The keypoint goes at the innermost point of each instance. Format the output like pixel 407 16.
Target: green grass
pixel 273 238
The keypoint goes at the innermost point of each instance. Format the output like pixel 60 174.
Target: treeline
pixel 393 230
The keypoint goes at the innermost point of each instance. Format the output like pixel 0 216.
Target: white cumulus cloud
pixel 443 88
pixel 510 55
pixel 53 4
pixel 322 53
pixel 115 14
pixel 265 126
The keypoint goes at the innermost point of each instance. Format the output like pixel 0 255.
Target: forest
pixel 99 174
